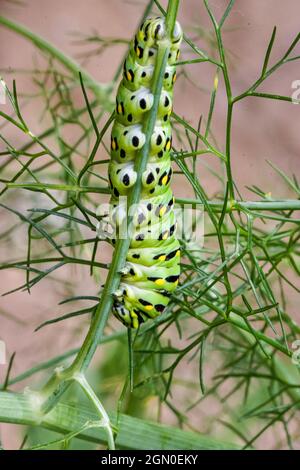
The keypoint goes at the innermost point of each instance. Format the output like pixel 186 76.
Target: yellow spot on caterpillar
pixel 141 35
pixel 178 54
pixel 176 282
pixel 162 258
pixel 174 78
pixel 168 146
pixel 149 307
pixel 177 253
pixel 162 211
pixel 159 282
pixel 165 235
pixel 138 52
pixel 129 77
pixel 119 109
pixel 164 180
pixel 113 145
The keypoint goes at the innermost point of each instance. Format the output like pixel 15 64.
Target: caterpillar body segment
pixel 152 268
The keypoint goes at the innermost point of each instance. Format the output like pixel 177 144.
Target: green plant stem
pixel 228 147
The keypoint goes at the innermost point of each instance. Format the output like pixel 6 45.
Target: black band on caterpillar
pixel 152 268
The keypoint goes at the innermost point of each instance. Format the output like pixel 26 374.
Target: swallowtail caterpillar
pixel 152 265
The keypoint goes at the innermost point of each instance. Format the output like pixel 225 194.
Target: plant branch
pixel 58 383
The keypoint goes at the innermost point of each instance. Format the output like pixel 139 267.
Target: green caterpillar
pixel 152 266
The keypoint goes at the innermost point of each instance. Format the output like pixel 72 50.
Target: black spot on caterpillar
pixel 126 180
pixel 143 103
